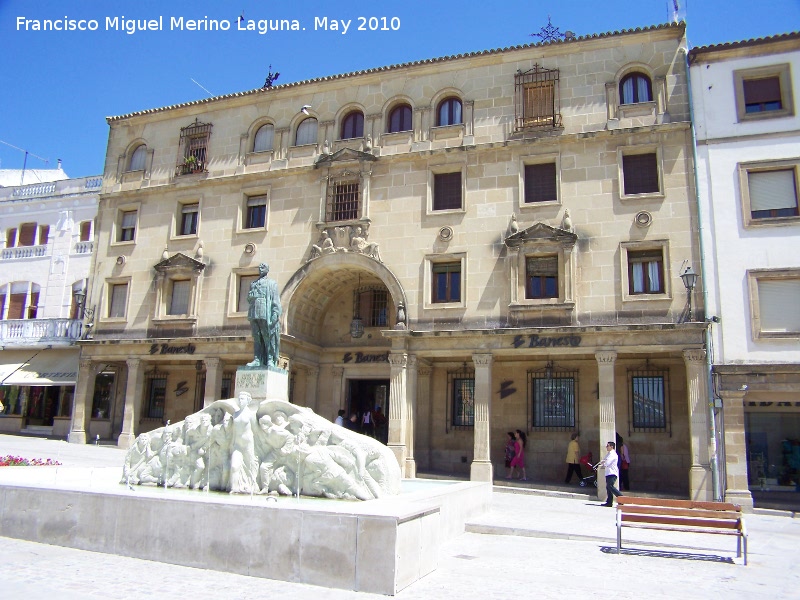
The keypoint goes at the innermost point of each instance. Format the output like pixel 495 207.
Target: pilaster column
pixel 337 401
pixel 397 406
pixel 81 402
pixel 213 389
pixel 736 487
pixel 700 483
pixel 608 426
pixel 481 468
pixel 133 398
pixel 282 133
pixel 411 416
pixel 422 427
pixel 469 117
pixel 312 376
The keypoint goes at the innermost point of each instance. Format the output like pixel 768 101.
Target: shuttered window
pixel 118 296
pixel 640 173
pixel 763 94
pixel 244 288
pixel 772 193
pixel 779 305
pixel 179 299
pixel 27 234
pixel 540 183
pixel 447 191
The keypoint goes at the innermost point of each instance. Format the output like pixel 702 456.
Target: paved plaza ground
pixel 533 543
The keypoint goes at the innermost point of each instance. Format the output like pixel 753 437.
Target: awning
pixel 48 367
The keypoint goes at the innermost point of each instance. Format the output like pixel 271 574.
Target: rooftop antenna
pixel 25 162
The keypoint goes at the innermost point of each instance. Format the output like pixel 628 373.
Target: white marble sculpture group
pixel 270 447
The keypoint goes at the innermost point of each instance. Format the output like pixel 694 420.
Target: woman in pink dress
pixel 518 462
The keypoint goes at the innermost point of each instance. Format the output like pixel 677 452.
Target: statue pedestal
pixel 263 383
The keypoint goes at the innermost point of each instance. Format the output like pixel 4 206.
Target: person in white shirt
pixel 340 418
pixel 612 472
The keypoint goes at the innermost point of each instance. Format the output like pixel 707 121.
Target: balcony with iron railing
pixel 22 252
pixel 31 332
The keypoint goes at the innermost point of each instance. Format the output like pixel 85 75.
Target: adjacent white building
pixel 46 241
pixel 748 164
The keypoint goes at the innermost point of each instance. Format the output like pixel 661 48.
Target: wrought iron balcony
pixel 30 332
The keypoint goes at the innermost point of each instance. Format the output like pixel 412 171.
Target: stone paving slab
pixel 546 546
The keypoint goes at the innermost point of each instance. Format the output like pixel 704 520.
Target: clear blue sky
pixel 56 88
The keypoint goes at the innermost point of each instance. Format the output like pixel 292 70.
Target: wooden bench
pixel 682 515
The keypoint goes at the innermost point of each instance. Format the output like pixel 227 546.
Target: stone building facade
pixel 476 244
pixel 748 162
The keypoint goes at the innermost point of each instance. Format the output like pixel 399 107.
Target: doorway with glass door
pixel 368 399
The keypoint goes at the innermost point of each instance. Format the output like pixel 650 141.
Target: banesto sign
pixel 171 349
pixel 361 357
pixel 538 341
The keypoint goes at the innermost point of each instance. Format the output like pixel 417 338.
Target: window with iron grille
pixel 447 191
pixel 635 88
pixel 540 183
pixel 536 99
pixel 649 395
pixel 353 125
pixel 188 220
pixel 461 392
pixel 372 306
pixel 542 277
pixel 194 141
pixel 227 385
pixel 343 200
pixel 640 173
pixel 645 272
pixel 449 112
pixel 553 393
pixel 157 397
pixel 256 212
pixel 446 282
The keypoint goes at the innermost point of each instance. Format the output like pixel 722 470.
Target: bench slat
pixel 670 502
pixel 687 512
pixel 681 521
pixel 681 530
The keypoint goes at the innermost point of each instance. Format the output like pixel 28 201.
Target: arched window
pixel 634 88
pixel 449 112
pixel 306 132
pixel 264 138
pixel 353 125
pixel 138 158
pixel 400 118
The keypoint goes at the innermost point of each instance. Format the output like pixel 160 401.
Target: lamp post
pixel 689 278
pixel 80 298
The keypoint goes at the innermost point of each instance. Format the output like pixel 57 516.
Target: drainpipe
pixel 715 469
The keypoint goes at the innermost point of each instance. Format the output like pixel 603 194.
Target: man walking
pixel 612 472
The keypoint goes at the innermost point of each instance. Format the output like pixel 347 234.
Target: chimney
pixel 59 164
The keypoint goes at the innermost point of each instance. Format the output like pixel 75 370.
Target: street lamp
pixel 689 278
pixel 80 298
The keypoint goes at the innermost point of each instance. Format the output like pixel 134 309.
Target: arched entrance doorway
pixel 335 308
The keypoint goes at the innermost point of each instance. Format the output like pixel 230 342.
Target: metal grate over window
pixel 372 306
pixel 553 394
pixel 536 98
pixel 343 201
pixel 461 395
pixel 648 391
pixel 157 397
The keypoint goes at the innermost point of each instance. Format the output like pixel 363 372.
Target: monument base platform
pixel 262 383
pixel 378 546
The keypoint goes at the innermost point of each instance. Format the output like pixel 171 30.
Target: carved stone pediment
pixel 179 262
pixel 345 155
pixel 539 233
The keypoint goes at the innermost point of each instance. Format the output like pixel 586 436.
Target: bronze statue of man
pixel 264 315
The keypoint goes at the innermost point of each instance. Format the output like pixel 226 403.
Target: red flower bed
pixel 17 461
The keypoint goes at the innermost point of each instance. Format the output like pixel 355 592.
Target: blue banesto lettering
pixel 537 341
